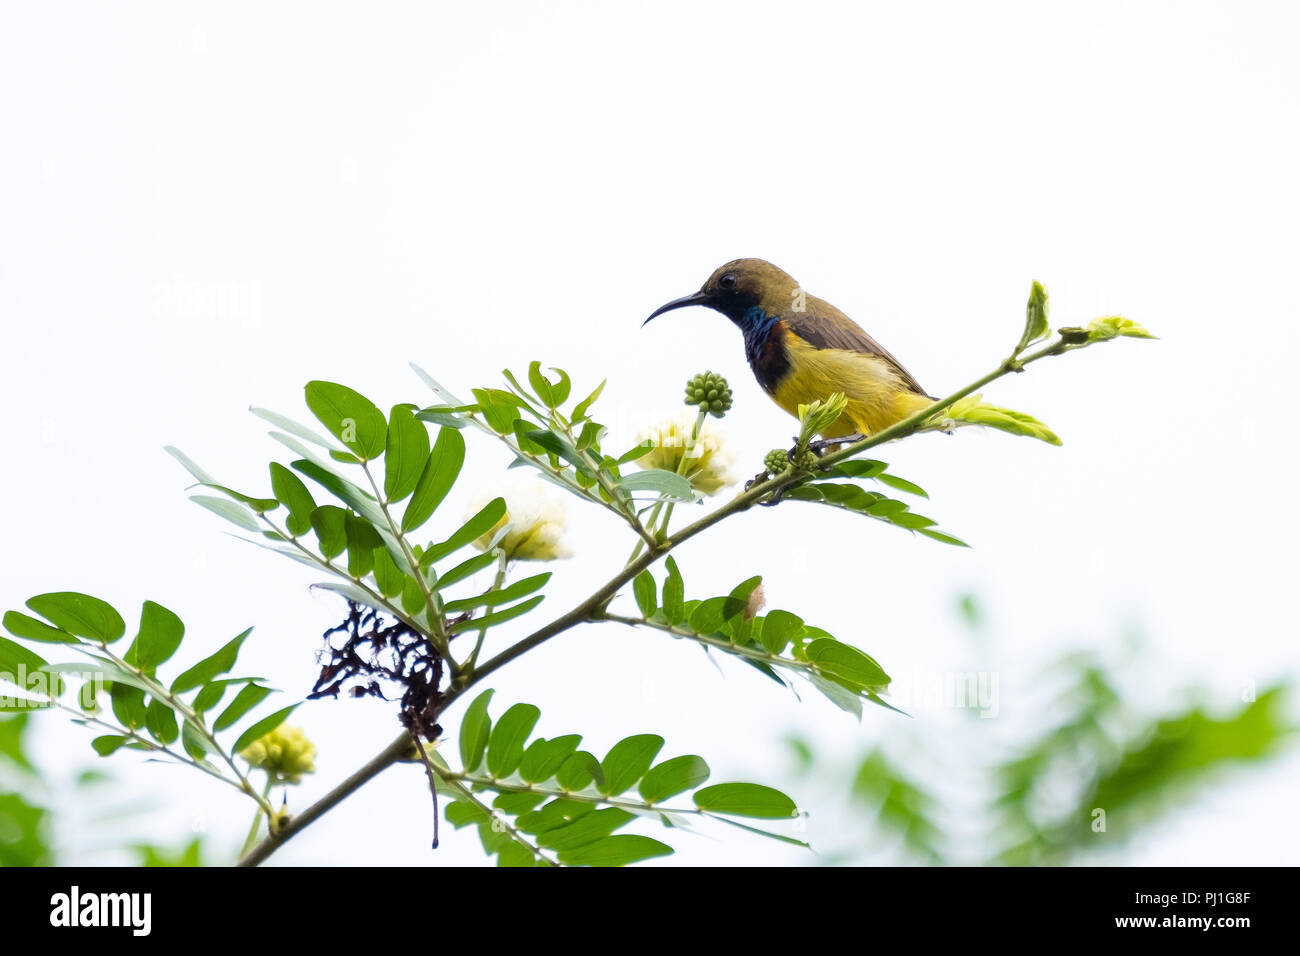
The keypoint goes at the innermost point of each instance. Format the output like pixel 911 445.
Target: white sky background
pixel 201 210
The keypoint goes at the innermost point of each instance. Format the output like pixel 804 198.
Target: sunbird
pixel 803 349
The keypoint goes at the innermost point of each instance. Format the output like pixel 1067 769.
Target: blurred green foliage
pixel 1090 781
pixel 24 824
pixel 27 824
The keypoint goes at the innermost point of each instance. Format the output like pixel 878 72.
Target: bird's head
pixel 737 287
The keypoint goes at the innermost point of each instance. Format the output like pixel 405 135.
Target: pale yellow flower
pixel 708 462
pixel 285 753
pixel 537 520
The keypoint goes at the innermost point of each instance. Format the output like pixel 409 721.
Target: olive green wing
pixel 827 327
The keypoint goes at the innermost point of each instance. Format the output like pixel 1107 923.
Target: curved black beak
pixel 695 298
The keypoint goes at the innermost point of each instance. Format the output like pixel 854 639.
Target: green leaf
pixel 579 770
pixel 559 812
pixel 766 671
pixel 902 484
pixel 232 512
pixel 474 730
pixel 973 409
pixel 779 629
pixel 413 600
pixel 543 758
pixel 661 482
pixel 765 833
pixel 31 674
pixel 942 536
pixel 248 698
pixel 476 527
pixel 497 617
pixel 738 604
pixel 643 589
pixel 466 569
pixel 389 578
pixel 709 615
pixel 194 743
pixel 108 743
pixel 20 625
pixel 617 850
pixel 853 468
pixel 561 387
pixel 262 728
pixel 350 417
pixel 745 800
pixel 201 476
pixel 213 691
pixel 886 508
pixel 592 433
pixel 541 385
pixel 291 426
pixel 406 454
pixel 330 525
pixel 293 494
pixel 461 813
pixel 845 661
pixel 517 803
pixel 439 474
pixel 161 632
pixel 15 656
pixel 1035 317
pixel 910 521
pixel 513 854
pixel 554 444
pixel 363 541
pixel 161 722
pixel 350 494
pixel 674 593
pixel 258 506
pixel 511 592
pixel 79 614
pixel 639 450
pixel 580 410
pixel 128 704
pixel 506 745
pixel 671 777
pixel 1111 326
pixel 500 409
pixel 627 762
pixel 585 829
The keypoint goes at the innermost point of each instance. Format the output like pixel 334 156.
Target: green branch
pixel 589 609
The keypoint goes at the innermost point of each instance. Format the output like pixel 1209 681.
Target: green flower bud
pixel 709 391
pixel 776 461
pixel 806 460
pixel 285 753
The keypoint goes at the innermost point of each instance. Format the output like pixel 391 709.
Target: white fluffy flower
pixel 708 462
pixel 537 521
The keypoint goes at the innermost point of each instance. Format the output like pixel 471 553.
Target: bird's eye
pixel 728 281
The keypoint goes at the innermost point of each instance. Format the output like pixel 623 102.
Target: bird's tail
pixel 971 411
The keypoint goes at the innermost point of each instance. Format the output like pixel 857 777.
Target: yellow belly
pixel 877 397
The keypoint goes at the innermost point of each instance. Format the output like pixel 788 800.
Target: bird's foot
pixel 827 445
